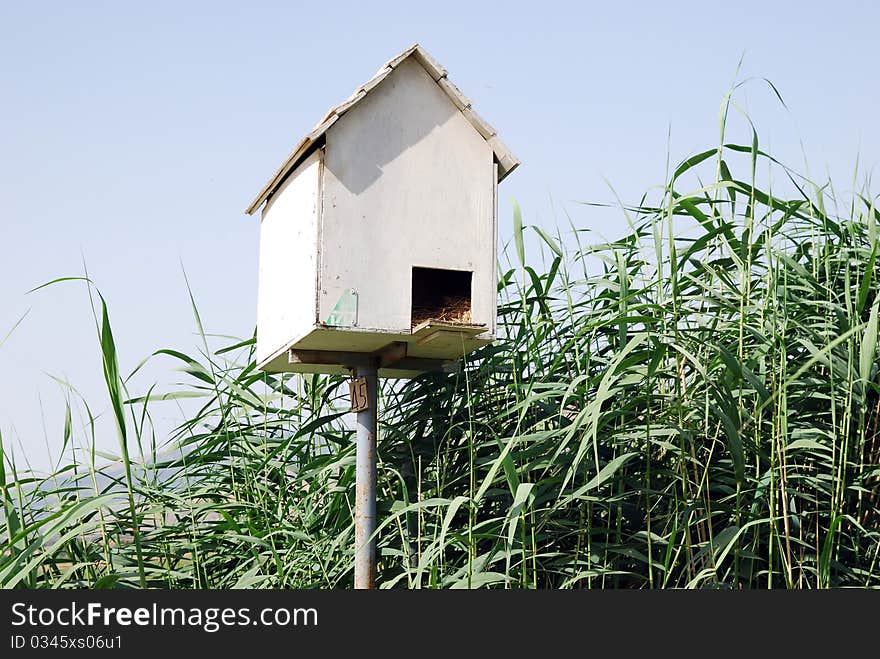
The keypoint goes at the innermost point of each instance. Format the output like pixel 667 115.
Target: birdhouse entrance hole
pixel 441 295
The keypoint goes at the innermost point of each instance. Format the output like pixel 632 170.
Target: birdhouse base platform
pixel 431 346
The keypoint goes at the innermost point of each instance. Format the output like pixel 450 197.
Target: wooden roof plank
pixel 461 101
pixel 483 127
pixel 432 66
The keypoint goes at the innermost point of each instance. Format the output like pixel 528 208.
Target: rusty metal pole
pixel 365 484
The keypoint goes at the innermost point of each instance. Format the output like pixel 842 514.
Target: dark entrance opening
pixel 441 295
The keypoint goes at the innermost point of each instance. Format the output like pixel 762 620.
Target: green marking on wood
pixel 344 314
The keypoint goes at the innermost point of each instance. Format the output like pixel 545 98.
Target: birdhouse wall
pixel 286 299
pixel 407 181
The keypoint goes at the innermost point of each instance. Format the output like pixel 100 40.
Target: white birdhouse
pixel 379 232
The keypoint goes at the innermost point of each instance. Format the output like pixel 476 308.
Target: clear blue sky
pixel 133 135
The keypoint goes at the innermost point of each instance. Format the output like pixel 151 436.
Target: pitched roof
pixel 507 162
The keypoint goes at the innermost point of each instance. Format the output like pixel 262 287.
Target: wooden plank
pixel 408 367
pixel 507 161
pixel 375 80
pixel 321 128
pixel 329 361
pixel 448 348
pixel 392 354
pixel 397 59
pixel 483 127
pixel 454 93
pixel 343 107
pixel 442 338
pixel 430 326
pixel 348 339
pixel 438 340
pixel 451 341
pixel 323 350
pixel 329 357
pixel 432 66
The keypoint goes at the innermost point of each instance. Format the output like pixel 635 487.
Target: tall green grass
pixel 693 405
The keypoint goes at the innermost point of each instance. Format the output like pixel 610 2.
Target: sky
pixel 133 135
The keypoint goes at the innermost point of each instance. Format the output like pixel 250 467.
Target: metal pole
pixel 365 485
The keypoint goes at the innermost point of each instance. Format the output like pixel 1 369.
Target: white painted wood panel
pixel 407 182
pixel 286 300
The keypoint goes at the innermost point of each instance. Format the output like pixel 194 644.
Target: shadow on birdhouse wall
pixel 389 121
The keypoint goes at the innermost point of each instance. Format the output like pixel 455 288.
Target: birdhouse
pixel 379 232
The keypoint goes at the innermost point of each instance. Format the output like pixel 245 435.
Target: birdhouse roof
pixel 507 162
